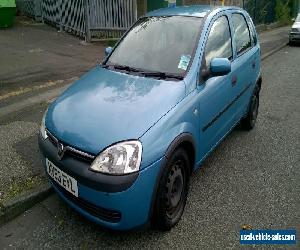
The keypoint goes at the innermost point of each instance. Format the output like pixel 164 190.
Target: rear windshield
pixel 159 44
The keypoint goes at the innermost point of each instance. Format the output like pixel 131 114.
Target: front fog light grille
pixel 99 212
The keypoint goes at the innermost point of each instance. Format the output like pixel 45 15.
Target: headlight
pixel 43 126
pixel 121 158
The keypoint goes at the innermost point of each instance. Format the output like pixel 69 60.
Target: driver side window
pixel 219 43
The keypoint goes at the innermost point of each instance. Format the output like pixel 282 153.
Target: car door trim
pixel 225 109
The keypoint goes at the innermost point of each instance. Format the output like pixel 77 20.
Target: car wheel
pixel 172 191
pixel 249 121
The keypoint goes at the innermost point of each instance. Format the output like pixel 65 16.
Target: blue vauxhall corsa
pixel 121 143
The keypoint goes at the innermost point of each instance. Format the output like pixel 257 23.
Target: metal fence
pixel 92 19
pixel 110 18
pixel 30 8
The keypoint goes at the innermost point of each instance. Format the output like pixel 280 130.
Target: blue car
pixel 121 143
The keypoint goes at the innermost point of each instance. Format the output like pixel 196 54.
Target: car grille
pixel 70 150
pixel 99 212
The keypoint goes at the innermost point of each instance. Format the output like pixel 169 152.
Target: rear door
pixel 246 62
pixel 216 93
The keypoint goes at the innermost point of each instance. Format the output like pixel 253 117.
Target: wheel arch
pixel 184 140
pixel 187 142
pixel 259 83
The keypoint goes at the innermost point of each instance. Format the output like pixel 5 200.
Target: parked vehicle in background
pixel 121 143
pixel 295 31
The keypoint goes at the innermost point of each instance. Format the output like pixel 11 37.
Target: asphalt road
pixel 33 53
pixel 251 178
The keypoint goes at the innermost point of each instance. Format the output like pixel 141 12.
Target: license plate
pixel 63 179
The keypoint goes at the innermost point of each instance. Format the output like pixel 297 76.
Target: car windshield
pixel 298 18
pixel 159 44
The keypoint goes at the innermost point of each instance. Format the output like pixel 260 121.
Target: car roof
pixel 194 11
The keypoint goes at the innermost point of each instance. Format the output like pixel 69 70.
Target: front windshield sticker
pixel 184 62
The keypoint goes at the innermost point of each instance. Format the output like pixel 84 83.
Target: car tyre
pixel 172 191
pixel 249 121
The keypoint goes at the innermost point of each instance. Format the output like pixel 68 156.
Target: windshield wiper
pixel 162 75
pixel 124 67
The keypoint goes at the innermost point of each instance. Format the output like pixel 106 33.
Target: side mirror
pixel 220 66
pixel 293 19
pixel 108 50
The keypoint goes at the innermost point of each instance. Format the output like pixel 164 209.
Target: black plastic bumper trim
pixel 99 212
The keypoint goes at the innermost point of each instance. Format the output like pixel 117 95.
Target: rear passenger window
pixel 242 33
pixel 219 41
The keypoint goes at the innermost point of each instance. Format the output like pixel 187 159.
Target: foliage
pixel 283 11
pixel 269 11
pixel 111 42
pixel 19 186
pixel 262 11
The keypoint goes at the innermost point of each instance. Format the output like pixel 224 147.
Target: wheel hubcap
pixel 174 189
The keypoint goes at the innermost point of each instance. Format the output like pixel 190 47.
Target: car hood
pixel 105 107
pixel 296 25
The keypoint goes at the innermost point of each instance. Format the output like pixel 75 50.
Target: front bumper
pixel 122 210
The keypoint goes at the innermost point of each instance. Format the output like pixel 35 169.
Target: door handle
pixel 253 64
pixel 234 80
